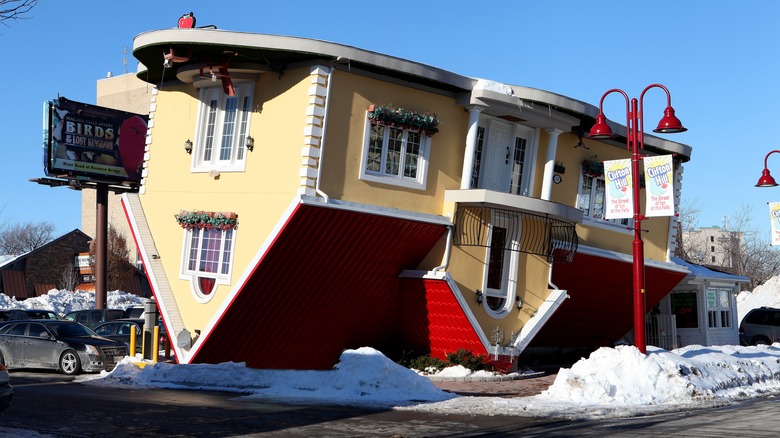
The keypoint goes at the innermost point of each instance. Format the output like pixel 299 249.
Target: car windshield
pixel 70 330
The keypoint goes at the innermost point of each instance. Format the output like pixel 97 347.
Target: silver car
pixel 66 346
pixel 760 326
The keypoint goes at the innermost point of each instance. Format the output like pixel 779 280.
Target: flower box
pixel 405 119
pixel 207 220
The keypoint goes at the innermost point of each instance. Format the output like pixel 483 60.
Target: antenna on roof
pixel 125 52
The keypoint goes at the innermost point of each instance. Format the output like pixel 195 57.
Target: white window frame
pixel 720 309
pixel 380 176
pixel 510 269
pixel 222 277
pixel 213 129
pixel 613 224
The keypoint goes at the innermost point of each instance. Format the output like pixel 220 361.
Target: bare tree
pixel 69 279
pixel 755 257
pixel 15 9
pixel 19 238
pixel 687 221
pixel 741 248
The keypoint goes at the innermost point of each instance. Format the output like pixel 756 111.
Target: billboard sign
pixel 89 142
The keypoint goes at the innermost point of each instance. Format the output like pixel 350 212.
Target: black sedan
pixel 119 330
pixel 66 346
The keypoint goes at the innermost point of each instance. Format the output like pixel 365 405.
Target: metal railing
pixel 526 232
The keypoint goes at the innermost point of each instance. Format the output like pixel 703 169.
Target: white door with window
pixel 496 157
pixel 501 157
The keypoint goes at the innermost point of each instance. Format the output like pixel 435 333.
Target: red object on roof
pixel 187 21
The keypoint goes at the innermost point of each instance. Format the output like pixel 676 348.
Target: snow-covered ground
pixel 612 382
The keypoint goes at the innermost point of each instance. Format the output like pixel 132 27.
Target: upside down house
pixel 302 197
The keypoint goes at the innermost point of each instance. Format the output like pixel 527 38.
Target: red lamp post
pixel 635 141
pixel 766 179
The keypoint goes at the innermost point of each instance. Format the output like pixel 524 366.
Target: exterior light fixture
pixel 635 141
pixel 518 302
pixel 478 293
pixel 766 179
pixel 188 146
pixel 250 143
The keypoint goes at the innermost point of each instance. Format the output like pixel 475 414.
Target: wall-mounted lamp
pixel 250 143
pixel 518 303
pixel 478 293
pixel 188 146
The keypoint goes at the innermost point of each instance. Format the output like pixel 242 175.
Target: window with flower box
pixel 209 242
pixel 396 146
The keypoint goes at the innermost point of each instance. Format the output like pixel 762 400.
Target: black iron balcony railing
pixel 526 232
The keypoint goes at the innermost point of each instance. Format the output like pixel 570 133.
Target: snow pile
pixel 363 376
pixel 766 295
pixel 64 301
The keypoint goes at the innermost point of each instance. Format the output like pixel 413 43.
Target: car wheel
pixel 760 340
pixel 70 363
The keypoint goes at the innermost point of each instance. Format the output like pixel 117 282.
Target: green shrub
pixel 430 364
pixel 467 359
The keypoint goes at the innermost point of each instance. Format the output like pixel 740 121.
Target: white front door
pixel 495 172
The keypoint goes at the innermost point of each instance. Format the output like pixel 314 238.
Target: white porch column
pixel 471 146
pixel 549 165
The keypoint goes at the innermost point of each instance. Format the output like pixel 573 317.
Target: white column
pixel 549 165
pixel 471 146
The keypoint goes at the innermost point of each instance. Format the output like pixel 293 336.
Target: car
pixel 41 314
pixel 93 317
pixel 6 390
pixel 134 311
pixel 65 346
pixel 120 329
pixel 760 326
pixel 9 314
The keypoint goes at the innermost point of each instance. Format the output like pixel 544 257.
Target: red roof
pixel 328 282
pixel 600 308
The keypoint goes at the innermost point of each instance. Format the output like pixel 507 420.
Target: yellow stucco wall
pixel 607 237
pixel 259 196
pixel 349 104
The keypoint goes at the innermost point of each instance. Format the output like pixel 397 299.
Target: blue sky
pixel 719 60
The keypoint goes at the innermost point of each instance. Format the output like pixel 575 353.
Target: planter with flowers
pixel 388 115
pixel 207 220
pixel 592 168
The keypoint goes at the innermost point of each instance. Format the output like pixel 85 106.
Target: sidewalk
pixel 524 387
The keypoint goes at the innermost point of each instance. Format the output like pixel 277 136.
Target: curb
pixel 496 378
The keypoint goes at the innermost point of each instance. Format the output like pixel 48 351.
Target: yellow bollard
pixel 143 341
pixel 131 353
pixel 156 343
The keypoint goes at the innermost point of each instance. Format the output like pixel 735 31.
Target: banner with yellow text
pixel 619 197
pixel 659 186
pixel 774 217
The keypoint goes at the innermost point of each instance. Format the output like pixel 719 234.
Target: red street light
pixel 766 179
pixel 635 140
